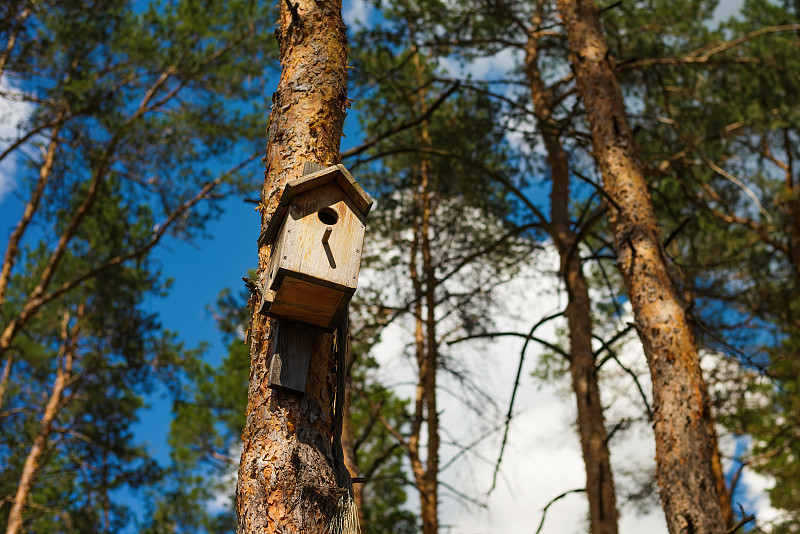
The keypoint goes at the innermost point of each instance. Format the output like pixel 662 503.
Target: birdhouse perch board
pixel 317 234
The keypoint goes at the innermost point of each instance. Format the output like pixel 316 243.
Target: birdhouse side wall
pixel 300 250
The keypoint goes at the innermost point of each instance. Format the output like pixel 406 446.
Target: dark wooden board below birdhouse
pixel 291 356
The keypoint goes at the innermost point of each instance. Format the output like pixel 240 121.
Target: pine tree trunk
pixel 430 490
pixel 425 472
pixel 54 404
pixel 591 425
pixel 286 479
pixel 684 432
pixel 12 249
pixel 15 23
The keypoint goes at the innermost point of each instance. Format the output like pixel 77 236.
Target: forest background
pixel 108 460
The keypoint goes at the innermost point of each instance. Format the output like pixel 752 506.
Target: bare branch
pixel 746 519
pixel 39 299
pixel 553 501
pixel 510 412
pixel 706 52
pixel 495 175
pixel 463 496
pixel 424 116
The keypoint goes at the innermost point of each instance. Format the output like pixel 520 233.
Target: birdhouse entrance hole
pixel 328 216
pixel 316 234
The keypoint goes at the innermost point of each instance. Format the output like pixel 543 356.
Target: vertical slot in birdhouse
pixel 317 235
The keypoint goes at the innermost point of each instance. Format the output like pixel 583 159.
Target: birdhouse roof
pixel 307 182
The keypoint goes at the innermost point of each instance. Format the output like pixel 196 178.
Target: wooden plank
pixel 310 167
pixel 299 247
pixel 305 302
pixel 316 176
pixel 362 200
pixel 288 370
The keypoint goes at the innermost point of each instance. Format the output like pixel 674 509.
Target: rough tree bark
pixel 285 475
pixel 591 425
pixel 686 451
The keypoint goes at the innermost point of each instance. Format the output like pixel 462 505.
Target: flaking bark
pixel 685 439
pixel 286 477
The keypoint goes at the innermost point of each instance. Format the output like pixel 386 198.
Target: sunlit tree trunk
pixel 66 358
pixel 686 451
pixel 12 248
pixel 285 475
pixel 13 26
pixel 421 271
pixel 591 425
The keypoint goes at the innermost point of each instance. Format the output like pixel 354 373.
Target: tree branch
pixel 706 52
pixel 510 412
pixel 553 501
pixel 401 127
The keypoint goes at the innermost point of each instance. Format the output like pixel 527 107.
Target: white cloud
pixel 227 480
pixel 543 457
pixel 356 12
pixel 491 67
pixel 11 115
pixel 726 9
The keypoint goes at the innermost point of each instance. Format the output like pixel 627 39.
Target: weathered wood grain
pixel 309 251
pixel 309 167
pixel 320 176
pixel 305 302
pixel 300 249
pixel 291 355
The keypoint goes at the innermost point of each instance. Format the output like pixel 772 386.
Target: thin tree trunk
pixel 12 249
pixel 426 349
pixel 591 425
pixel 684 432
pixel 37 298
pixel 430 490
pixel 413 444
pixel 15 27
pixel 31 466
pixel 285 478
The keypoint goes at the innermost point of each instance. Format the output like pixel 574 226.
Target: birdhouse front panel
pixel 315 260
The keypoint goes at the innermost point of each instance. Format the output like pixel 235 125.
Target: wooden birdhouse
pixel 317 234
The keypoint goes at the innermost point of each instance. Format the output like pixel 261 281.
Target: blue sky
pixel 202 269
